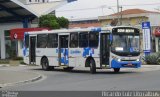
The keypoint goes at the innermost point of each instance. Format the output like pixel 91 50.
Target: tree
pixel 52 22
pixel 63 22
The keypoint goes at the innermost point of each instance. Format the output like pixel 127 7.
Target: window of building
pixel 83 39
pixel 74 40
pixel 52 41
pixel 93 39
pixel 42 40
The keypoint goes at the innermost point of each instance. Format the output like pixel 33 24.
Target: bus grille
pixel 127 60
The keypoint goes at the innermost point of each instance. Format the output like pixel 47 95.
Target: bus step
pixel 105 66
pixel 63 66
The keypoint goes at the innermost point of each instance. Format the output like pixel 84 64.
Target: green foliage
pixel 52 22
pixel 153 58
pixel 22 62
pixel 17 58
pixel 4 61
pixel 63 22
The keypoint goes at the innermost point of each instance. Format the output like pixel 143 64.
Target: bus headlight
pixel 137 60
pixel 118 60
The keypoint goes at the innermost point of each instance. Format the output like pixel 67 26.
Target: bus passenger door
pixel 63 50
pixel 32 50
pixel 104 49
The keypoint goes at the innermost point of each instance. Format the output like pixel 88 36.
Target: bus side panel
pixel 92 52
pixel 38 60
pixel 80 62
pixel 96 56
pixel 97 61
pixel 73 54
pixel 77 54
pixel 26 55
pixel 84 53
pixel 50 53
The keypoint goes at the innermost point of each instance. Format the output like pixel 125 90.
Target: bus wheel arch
pixel 90 62
pixel 45 63
pixel 116 70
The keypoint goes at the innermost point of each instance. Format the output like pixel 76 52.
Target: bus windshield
pixel 125 44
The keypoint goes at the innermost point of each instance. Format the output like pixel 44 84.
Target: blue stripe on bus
pixel 88 51
pixel 116 64
pixel 24 48
pixel 96 30
pixel 64 58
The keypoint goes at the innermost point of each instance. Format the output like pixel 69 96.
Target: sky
pixel 93 8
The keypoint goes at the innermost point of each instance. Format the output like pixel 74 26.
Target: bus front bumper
pixel 125 64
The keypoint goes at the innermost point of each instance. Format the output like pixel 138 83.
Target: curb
pixel 22 82
pixel 2 65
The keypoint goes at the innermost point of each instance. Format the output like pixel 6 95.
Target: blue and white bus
pixel 106 47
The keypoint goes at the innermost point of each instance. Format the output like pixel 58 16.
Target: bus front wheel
pixel 92 66
pixel 45 64
pixel 116 70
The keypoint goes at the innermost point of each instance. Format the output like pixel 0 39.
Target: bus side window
pixel 42 40
pixel 74 40
pixel 52 41
pixel 93 39
pixel 83 39
pixel 26 41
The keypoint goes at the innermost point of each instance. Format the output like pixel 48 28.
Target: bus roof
pixel 94 29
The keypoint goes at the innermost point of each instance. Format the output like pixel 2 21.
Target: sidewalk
pixel 9 78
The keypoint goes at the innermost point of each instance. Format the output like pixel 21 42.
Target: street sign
pixel 15 35
pixel 146 37
pixel 146 25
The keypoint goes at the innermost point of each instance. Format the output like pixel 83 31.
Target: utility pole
pixel 118 10
pixel 121 15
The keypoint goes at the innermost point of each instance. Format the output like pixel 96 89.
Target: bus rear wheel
pixel 116 70
pixel 92 66
pixel 45 64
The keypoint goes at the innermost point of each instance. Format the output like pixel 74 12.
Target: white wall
pixel 154 19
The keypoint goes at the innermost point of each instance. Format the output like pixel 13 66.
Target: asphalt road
pixel 82 80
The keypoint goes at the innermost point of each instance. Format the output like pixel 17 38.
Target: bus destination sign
pixel 125 30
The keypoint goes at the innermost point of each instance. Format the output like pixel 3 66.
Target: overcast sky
pixel 95 8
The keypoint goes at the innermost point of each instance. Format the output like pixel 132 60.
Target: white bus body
pixel 87 47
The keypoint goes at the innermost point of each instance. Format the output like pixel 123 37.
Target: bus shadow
pixel 101 72
pixel 87 71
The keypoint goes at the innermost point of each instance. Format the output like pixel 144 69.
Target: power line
pixel 93 8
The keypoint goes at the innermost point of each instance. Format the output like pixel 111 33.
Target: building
pixel 84 23
pixel 131 17
pixel 135 17
pixel 16 14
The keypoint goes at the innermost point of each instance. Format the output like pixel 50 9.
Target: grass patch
pixel 14 62
pixel 4 61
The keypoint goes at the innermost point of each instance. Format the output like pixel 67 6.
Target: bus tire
pixel 68 68
pixel 92 66
pixel 116 70
pixel 45 64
